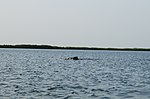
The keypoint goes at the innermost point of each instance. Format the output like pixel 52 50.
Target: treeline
pixel 71 48
pixel 30 46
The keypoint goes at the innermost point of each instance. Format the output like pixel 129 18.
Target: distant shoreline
pixel 71 48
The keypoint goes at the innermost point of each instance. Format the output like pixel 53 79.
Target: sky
pixel 91 23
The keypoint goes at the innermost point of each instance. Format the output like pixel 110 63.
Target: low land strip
pixel 71 48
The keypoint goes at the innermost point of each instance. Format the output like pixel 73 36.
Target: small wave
pixel 97 90
pixel 105 98
pixel 55 88
pixel 3 84
pixel 75 87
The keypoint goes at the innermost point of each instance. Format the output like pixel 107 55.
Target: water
pixel 44 74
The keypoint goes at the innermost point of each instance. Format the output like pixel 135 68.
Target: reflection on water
pixel 44 74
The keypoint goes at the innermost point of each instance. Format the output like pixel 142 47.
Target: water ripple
pixel 44 74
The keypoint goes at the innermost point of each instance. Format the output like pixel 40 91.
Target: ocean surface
pixel 45 74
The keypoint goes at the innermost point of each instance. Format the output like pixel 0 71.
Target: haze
pixel 96 23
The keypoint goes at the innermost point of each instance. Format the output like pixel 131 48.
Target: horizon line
pixel 29 46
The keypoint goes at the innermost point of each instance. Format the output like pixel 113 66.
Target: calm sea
pixel 45 74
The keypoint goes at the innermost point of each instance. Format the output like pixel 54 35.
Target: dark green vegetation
pixel 72 48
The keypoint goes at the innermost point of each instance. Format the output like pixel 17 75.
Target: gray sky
pixel 97 23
